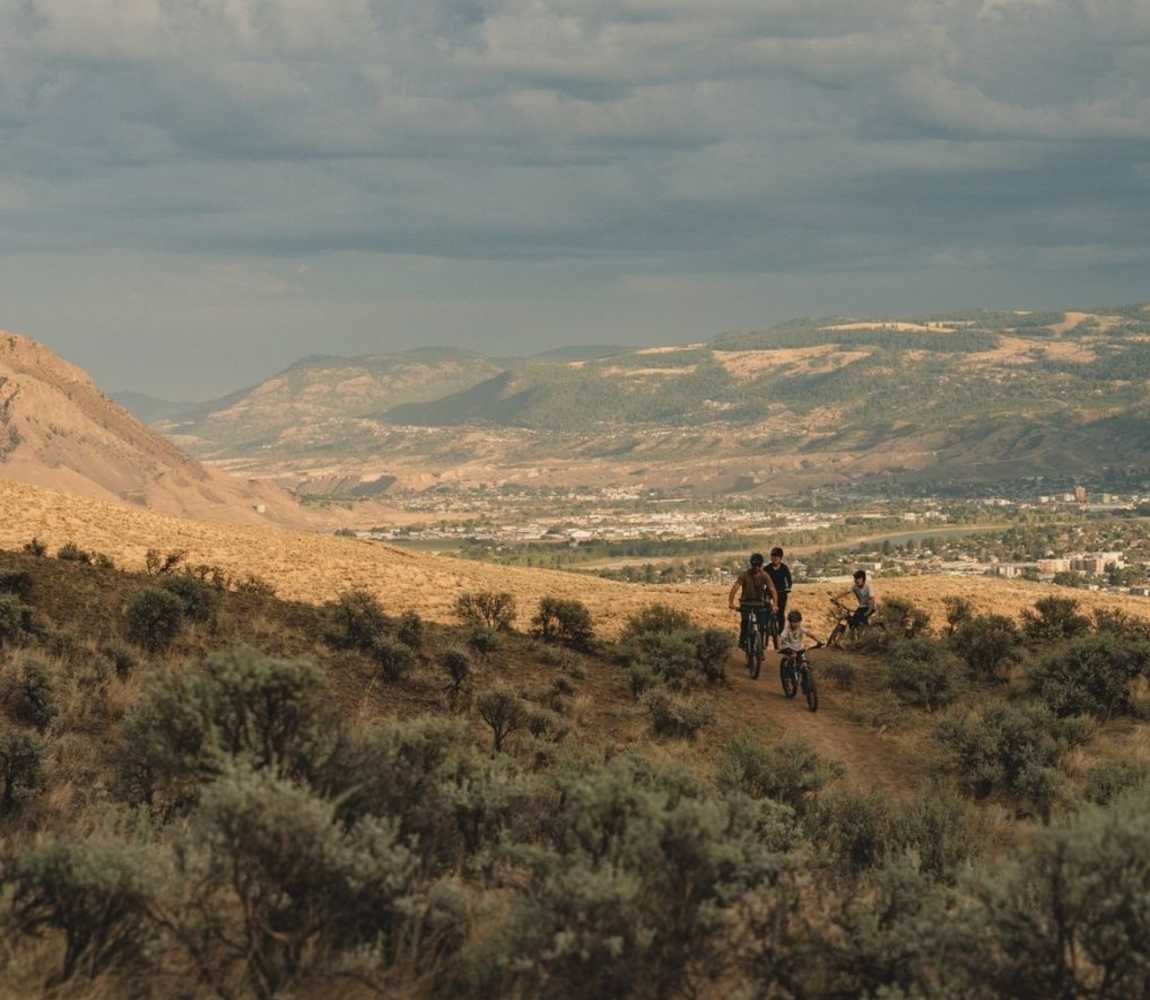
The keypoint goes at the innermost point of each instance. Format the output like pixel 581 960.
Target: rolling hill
pixel 973 396
pixel 57 430
pixel 311 567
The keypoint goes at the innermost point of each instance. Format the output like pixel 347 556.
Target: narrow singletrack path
pixel 871 761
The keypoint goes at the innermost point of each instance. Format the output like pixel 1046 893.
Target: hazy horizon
pixel 195 196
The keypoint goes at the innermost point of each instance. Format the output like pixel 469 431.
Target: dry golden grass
pixel 313 567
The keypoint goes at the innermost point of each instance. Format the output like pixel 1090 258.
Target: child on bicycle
pixel 758 598
pixel 864 595
pixel 793 638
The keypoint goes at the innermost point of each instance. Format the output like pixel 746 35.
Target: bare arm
pixel 845 593
pixel 731 596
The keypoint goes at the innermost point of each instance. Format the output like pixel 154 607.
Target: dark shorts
pixel 761 614
pixel 860 617
pixel 781 610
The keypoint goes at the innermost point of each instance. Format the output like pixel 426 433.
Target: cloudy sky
pixel 194 193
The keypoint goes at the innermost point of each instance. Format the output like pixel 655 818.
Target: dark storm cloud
pixel 655 136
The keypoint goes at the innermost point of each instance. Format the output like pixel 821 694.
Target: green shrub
pixel 21 584
pixel 903 617
pixel 410 630
pixel 97 895
pixel 713 653
pixel 484 642
pixel 36 548
pixel 238 706
pixel 941 831
pixel 1115 621
pixel 922 673
pixel 122 657
pixel 157 563
pixel 20 759
pixel 1013 748
pixel 854 828
pixel 655 618
pixel 1092 674
pixel 987 644
pixel 155 619
pixel 71 552
pixel 566 622
pixel 1107 781
pixel 251 585
pixel 503 711
pixel 201 600
pixel 310 888
pixel 675 716
pixel 789 772
pixel 839 671
pixel 101 560
pixel 457 666
pixel 357 620
pixel 547 725
pixel 633 891
pixel 15 619
pixel 958 612
pixel 1054 619
pixel 1067 917
pixel 35 694
pixel 394 660
pixel 488 609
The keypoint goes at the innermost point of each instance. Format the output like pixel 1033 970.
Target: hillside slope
pixel 57 430
pixel 312 567
pixel 974 396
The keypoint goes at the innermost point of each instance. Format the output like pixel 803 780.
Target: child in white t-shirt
pixel 794 635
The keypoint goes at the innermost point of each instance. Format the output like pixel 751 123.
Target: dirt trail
pixel 872 761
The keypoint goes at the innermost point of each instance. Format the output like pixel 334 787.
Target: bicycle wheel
pixel 755 654
pixel 773 630
pixel 810 690
pixel 787 677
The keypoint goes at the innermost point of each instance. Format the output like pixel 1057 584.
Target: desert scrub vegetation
pixel 659 647
pixel 155 618
pixel 487 609
pixel 261 819
pixel 566 622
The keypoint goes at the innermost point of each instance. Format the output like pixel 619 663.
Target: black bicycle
pixel 758 628
pixel 796 675
pixel 848 622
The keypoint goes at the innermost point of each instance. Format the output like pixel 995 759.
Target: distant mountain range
pixel 976 395
pixel 58 431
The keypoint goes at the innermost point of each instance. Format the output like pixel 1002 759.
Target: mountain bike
pixel 796 675
pixel 757 631
pixel 846 624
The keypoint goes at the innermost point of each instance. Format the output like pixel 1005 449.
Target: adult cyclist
pixel 780 574
pixel 758 598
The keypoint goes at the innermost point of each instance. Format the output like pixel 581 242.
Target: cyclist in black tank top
pixel 780 574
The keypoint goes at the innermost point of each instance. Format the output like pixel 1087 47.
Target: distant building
pixel 1053 565
pixel 1080 494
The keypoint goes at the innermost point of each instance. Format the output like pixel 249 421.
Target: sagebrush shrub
pixel 484 642
pixel 567 622
pixel 712 653
pixel 97 895
pixel 201 600
pixel 839 671
pixel 238 706
pixel 310 885
pixel 35 694
pixel 36 548
pixel 1091 675
pixel 410 630
pixel 987 644
pixel 902 617
pixel 1115 621
pixel 395 659
pixel 1107 781
pixel 941 831
pixel 357 620
pixel 23 585
pixel 922 673
pixel 789 772
pixel 1054 619
pixel 157 563
pixel 487 608
pixel 655 618
pixel 854 828
pixel 122 657
pixel 20 768
pixel 958 612
pixel 1009 747
pixel 16 620
pixel 71 552
pixel 503 711
pixel 456 664
pixel 155 619
pixel 676 716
